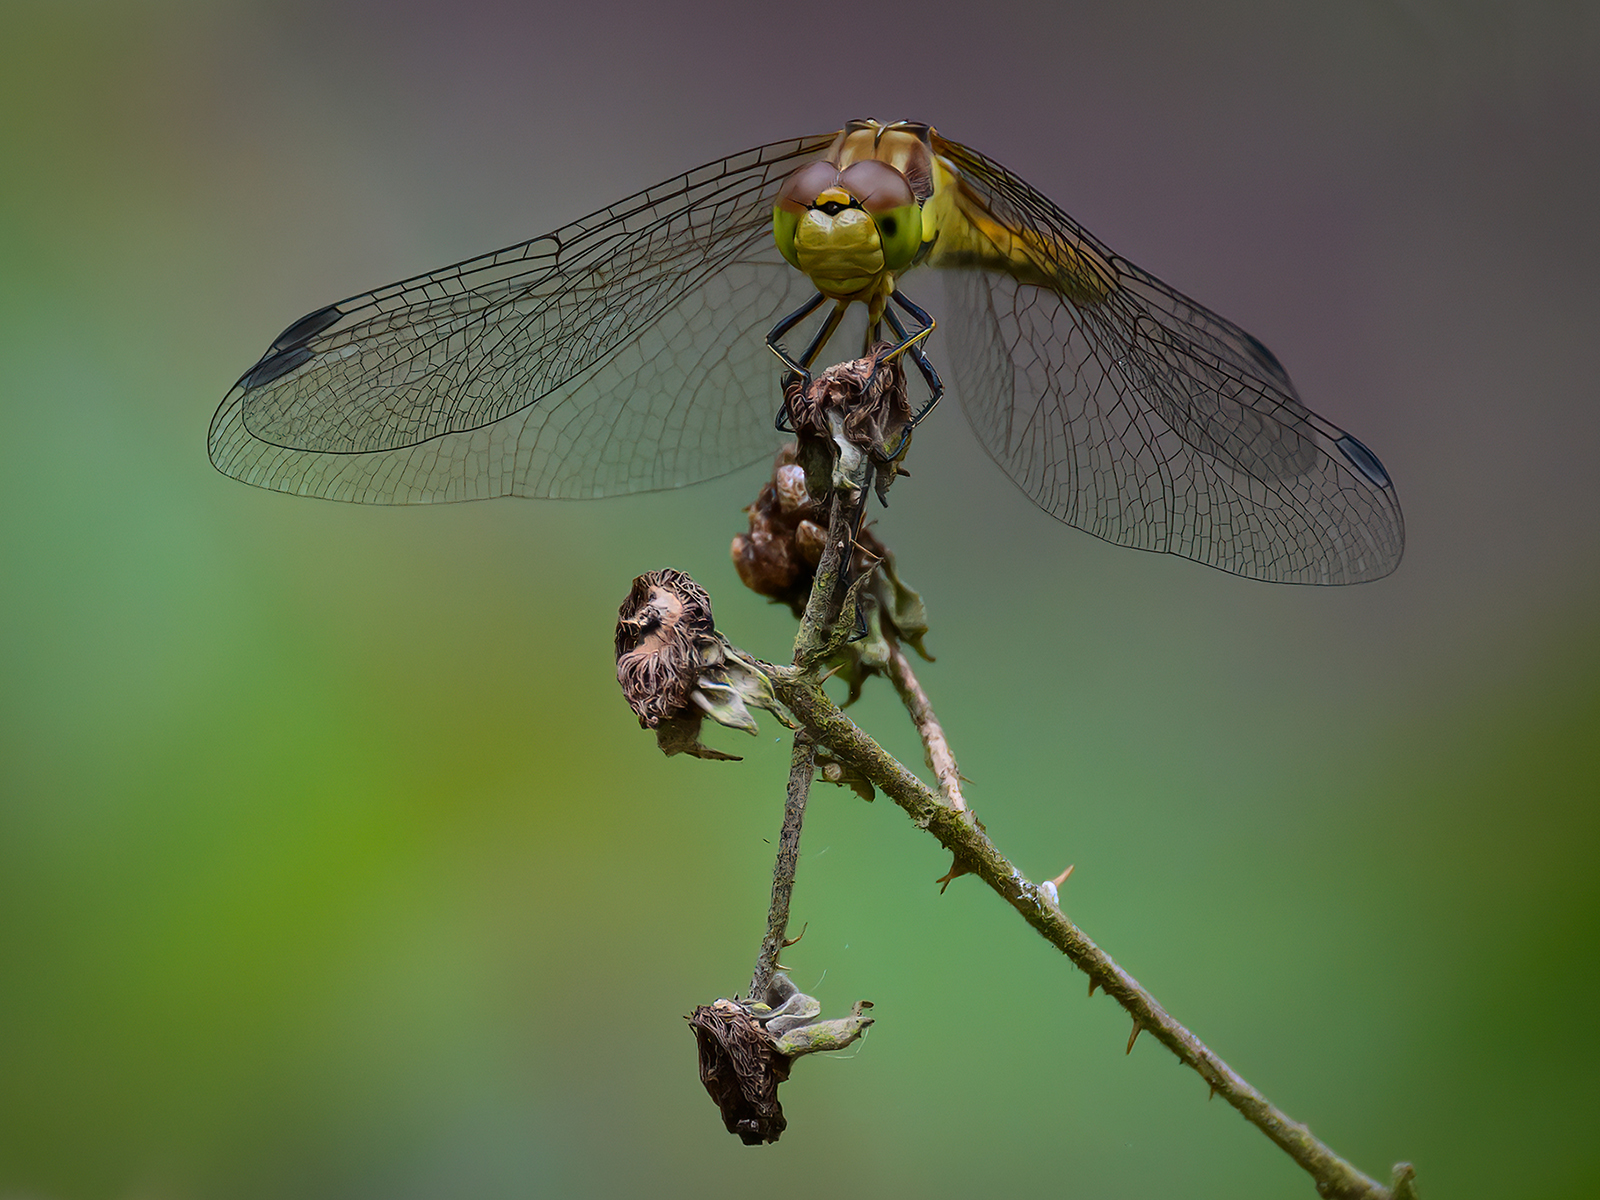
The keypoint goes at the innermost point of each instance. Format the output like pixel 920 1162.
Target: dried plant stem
pixel 820 608
pixel 822 603
pixel 802 766
pixel 934 746
pixel 959 832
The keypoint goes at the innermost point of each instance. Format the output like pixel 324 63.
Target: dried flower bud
pixel 656 630
pixel 747 1050
pixel 741 1069
pixel 675 668
pixel 853 422
pixel 810 539
pixel 869 394
pixel 778 556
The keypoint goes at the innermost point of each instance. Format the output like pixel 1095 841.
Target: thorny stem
pixel 802 763
pixel 802 766
pixel 959 832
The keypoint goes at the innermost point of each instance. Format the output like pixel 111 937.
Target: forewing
pixel 1128 410
pixel 621 353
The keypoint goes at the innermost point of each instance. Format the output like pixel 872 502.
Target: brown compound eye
pixel 878 186
pixel 801 189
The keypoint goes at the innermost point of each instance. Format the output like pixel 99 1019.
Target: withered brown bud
pixel 809 540
pixel 747 1050
pixel 675 668
pixel 656 630
pixel 868 394
pixel 768 558
pixel 741 1068
pixel 778 557
pixel 789 484
pixel 854 424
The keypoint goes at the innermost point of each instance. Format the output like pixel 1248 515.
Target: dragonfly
pixel 631 351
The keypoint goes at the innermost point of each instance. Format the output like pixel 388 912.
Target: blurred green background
pixel 333 865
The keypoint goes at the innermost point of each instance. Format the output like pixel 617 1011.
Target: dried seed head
pixel 868 393
pixel 853 423
pixel 656 630
pixel 741 1069
pixel 676 669
pixel 747 1050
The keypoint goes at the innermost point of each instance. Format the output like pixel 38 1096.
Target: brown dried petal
pixel 656 630
pixel 810 539
pixel 765 558
pixel 869 392
pixel 741 1069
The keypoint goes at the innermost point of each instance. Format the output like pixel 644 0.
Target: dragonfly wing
pixel 1126 409
pixel 617 354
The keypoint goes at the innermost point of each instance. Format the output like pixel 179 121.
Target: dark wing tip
pixel 1364 460
pixel 289 349
pixel 275 364
pixel 306 328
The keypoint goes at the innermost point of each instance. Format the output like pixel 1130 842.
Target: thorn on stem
pixel 1134 1037
pixel 1404 1186
pixel 1093 983
pixel 956 872
pixel 1211 1094
pixel 1062 878
pixel 787 942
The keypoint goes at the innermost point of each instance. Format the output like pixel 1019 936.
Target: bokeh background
pixel 332 864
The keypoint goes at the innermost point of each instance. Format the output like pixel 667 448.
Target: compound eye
pixel 878 186
pixel 801 189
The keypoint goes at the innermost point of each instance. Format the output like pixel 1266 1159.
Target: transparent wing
pixel 617 354
pixel 1126 409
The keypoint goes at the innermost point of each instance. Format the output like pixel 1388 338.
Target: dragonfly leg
pixel 857 525
pixel 918 354
pixel 913 343
pixel 824 333
pixel 801 368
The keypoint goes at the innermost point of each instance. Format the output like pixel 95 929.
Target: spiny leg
pixel 918 354
pixel 913 343
pixel 801 368
pixel 824 333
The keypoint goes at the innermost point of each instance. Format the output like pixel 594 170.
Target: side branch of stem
pixel 941 760
pixel 802 766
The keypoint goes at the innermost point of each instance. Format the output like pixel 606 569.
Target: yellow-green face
pixel 849 229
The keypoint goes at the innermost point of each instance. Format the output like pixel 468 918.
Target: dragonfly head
pixel 848 228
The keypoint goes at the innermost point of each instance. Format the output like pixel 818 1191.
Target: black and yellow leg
pixel 913 343
pixel 801 369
